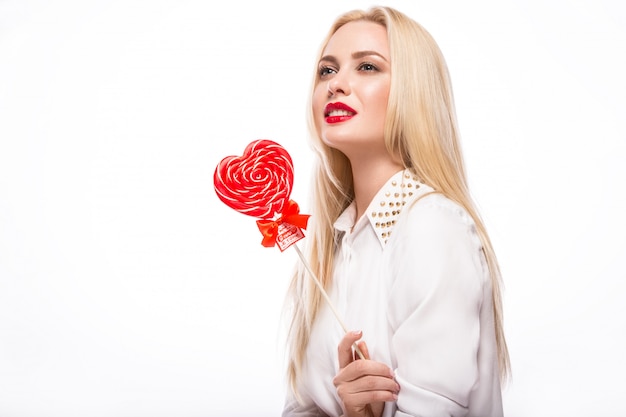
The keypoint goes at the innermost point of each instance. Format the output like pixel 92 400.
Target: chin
pixel 337 137
pixel 335 142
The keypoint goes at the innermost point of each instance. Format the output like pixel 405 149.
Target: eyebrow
pixel 355 55
pixel 361 54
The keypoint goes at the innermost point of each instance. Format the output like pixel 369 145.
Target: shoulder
pixel 435 254
pixel 433 215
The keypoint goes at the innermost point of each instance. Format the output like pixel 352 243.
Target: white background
pixel 128 289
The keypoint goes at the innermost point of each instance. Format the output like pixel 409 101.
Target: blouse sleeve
pixel 304 408
pixel 434 308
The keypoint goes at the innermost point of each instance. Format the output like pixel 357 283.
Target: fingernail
pixel 356 332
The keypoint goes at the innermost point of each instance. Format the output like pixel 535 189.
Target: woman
pixel 394 237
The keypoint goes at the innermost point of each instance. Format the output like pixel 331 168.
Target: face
pixel 350 97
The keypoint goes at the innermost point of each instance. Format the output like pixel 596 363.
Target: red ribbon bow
pixel 290 215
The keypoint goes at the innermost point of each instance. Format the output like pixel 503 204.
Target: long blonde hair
pixel 421 128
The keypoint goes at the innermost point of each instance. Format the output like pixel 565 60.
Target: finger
pixel 344 350
pixel 359 369
pixel 361 399
pixel 371 383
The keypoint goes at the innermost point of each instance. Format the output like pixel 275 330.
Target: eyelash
pixel 325 70
pixel 368 64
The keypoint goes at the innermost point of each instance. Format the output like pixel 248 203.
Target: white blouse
pixel 414 279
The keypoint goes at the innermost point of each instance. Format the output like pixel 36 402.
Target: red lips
pixel 338 112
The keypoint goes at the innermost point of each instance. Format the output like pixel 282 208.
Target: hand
pixel 361 383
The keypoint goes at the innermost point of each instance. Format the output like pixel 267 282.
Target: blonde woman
pixel 394 237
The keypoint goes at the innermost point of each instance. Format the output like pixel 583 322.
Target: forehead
pixel 358 36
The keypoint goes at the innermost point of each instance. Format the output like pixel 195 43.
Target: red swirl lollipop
pixel 259 182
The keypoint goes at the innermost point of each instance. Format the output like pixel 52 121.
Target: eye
pixel 366 66
pixel 325 71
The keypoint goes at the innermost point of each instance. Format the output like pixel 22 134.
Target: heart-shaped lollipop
pixel 259 182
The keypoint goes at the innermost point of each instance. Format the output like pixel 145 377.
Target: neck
pixel 368 177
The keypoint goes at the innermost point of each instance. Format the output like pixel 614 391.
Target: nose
pixel 338 85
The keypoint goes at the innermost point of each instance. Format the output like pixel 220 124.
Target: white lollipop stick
pixel 327 298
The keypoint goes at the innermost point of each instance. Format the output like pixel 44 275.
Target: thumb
pixel 363 348
pixel 344 350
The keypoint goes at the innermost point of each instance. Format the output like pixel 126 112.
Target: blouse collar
pixel 384 208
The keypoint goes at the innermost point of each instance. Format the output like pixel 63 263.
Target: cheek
pixel 319 101
pixel 378 119
pixel 379 97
